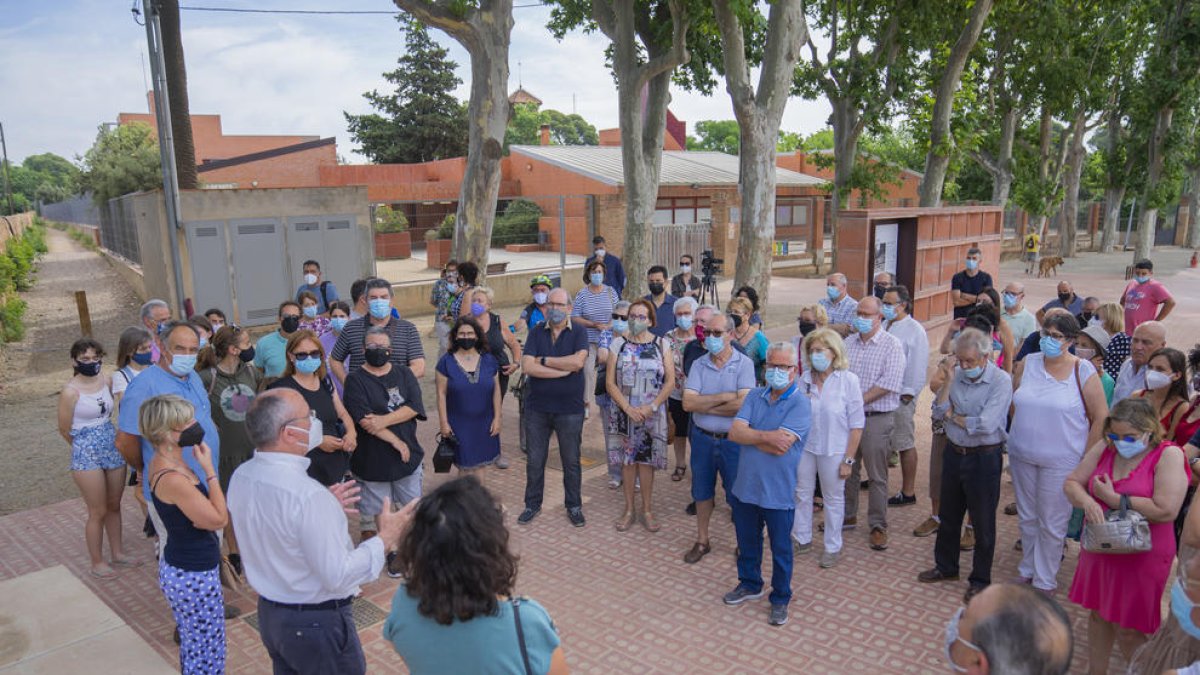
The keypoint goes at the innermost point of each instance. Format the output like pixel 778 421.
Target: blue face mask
pixel 379 307
pixel 832 292
pixel 684 321
pixel 1182 607
pixel 1050 347
pixel 620 326
pixel 338 323
pixel 477 309
pixel 597 278
pixel 972 264
pixel 203 342
pixel 889 312
pixel 1142 279
pixel 714 344
pixel 778 378
pixel 1010 300
pixel 973 373
pixel 310 311
pixel 143 358
pixel 863 325
pixel 308 365
pixel 820 361
pixel 182 364
pixel 1128 449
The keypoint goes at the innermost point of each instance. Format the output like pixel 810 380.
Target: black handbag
pixel 444 456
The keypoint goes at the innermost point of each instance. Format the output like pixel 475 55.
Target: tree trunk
pixel 846 132
pixel 756 170
pixel 1002 179
pixel 1070 210
pixel 1148 223
pixel 1193 236
pixel 1113 197
pixel 177 93
pixel 937 161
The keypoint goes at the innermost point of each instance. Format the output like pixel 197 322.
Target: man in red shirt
pixel 1145 298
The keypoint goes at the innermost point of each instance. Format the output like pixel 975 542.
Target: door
pixel 261 282
pixel 211 271
pixel 343 244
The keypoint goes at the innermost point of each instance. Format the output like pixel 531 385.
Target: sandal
pixel 625 522
pixel 104 576
pixel 680 472
pixel 126 563
pixel 649 522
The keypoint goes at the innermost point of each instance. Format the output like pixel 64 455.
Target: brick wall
pixel 296 169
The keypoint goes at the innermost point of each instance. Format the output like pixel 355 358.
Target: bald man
pixel 1018 317
pixel 1067 299
pixel 1147 338
pixel 1011 629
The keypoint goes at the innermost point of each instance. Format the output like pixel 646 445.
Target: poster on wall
pixel 887 236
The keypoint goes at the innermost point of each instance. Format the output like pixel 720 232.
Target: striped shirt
pixel 406 343
pixel 878 362
pixel 597 307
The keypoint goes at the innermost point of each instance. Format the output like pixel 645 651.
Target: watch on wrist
pixel 542 361
pixel 849 461
pixel 1193 461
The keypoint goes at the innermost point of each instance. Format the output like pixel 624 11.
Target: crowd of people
pixel 317 420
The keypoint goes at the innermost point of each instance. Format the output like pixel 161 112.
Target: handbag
pixel 1123 531
pixel 444 456
pixel 229 576
pixel 516 605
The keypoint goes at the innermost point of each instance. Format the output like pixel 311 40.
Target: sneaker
pixel 575 515
pixel 527 515
pixel 967 542
pixel 879 539
pixel 894 459
pixel 614 483
pixel 901 499
pixel 801 549
pixel 930 526
pixel 393 566
pixel 501 463
pixel 742 594
pixel 779 615
pixel 829 559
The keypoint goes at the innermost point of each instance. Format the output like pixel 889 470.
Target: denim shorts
pixel 710 457
pixel 95 447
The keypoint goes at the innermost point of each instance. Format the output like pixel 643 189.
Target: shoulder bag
pixel 1075 524
pixel 516 605
pixel 1123 531
pixel 447 451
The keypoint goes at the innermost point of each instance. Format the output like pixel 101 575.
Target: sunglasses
pixel 619 317
pixel 307 355
pixel 713 333
pixel 1128 439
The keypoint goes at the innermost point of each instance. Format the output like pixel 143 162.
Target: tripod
pixel 708 290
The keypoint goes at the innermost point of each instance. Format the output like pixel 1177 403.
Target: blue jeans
pixel 710 457
pixel 748 522
pixel 569 431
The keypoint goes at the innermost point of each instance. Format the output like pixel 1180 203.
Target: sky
pixel 68 66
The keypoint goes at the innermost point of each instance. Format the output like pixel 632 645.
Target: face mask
pixel 465 343
pixel 863 325
pixel 656 288
pixel 289 324
pixel 684 321
pixel 203 342
pixel 820 361
pixel 310 311
pixel 597 278
pixel 639 326
pixel 556 315
pixel 1050 347
pixel 539 298
pixel 338 323
pixel 1128 449
pixel 972 264
pixel 1085 354
pixel 1182 607
pixel 620 326
pixel 316 432
pixel 453 288
pixel 477 309
pixel 216 326
pixel 952 637
pixel 379 307
pixel 310 279
pixel 88 369
pixel 182 364
pixel 377 356
pixel 880 289
pixel 778 378
pixel 143 358
pixel 1064 298
pixel 247 355
pixel 599 253
pixel 737 320
pixel 832 292
pixel 806 327
pixel 1157 380
pixel 160 327
pixel 889 312
pixel 308 365
pixel 685 269
pixel 1010 300
pixel 973 373
pixel 714 344
pixel 192 435
pixel 1142 279
pixel 1087 316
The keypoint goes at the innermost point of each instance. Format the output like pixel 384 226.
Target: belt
pixel 873 413
pixel 718 436
pixel 974 449
pixel 328 604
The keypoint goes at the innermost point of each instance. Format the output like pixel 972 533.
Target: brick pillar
pixel 725 228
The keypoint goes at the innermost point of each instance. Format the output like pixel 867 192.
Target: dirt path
pixel 33 458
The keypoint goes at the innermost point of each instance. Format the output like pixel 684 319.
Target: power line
pixel 251 10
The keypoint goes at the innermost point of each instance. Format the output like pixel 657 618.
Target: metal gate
pixel 669 241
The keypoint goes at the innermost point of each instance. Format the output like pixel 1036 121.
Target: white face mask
pixel 316 432
pixel 1157 380
pixel 599 253
pixel 310 279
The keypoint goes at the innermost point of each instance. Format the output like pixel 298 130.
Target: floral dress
pixel 640 374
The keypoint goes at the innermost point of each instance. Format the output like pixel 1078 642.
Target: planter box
pixel 393 245
pixel 437 252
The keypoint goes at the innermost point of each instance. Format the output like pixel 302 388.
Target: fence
pixel 78 210
pixel 118 229
pixel 668 242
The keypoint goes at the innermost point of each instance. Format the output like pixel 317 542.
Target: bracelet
pixel 210 478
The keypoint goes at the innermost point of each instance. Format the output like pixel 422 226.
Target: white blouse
pixel 837 408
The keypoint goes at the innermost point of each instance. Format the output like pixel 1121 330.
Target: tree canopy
pixel 525 126
pixel 717 135
pixel 123 159
pixel 45 178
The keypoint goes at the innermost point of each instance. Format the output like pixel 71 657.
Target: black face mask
pixel 737 320
pixel 377 356
pixel 247 355
pixel 807 327
pixel 87 369
pixel 880 289
pixel 465 343
pixel 192 435
pixel 1064 298
pixel 656 288
pixel 1087 316
pixel 289 324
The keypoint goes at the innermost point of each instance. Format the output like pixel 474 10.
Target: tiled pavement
pixel 626 602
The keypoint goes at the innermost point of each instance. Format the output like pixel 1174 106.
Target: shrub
pixel 12 328
pixel 446 229
pixel 388 219
pixel 518 224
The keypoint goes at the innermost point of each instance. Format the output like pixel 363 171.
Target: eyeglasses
pixel 1056 336
pixel 315 354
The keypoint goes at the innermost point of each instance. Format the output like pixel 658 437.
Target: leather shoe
pixel 972 591
pixel 879 539
pixel 935 575
pixel 698 551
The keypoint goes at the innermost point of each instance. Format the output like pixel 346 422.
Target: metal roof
pixel 603 163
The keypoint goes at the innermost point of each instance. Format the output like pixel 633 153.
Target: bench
pixel 497 268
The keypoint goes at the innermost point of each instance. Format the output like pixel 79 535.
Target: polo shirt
pixel 556 395
pixel 764 479
pixel 406 343
pixel 972 285
pixel 695 349
pixel 156 381
pixel 706 378
pixel 1074 307
pixel 664 315
pixel 270 354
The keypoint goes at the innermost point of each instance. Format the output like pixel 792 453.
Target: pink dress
pixel 1127 589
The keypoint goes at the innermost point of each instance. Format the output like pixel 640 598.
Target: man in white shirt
pixel 897 308
pixel 1020 320
pixel 1147 338
pixel 295 546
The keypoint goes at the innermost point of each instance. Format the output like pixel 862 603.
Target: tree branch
pixel 677 55
pixel 439 15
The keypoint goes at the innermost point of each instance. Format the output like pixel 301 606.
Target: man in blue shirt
pixel 614 272
pixel 664 302
pixel 270 352
pixel 771 429
pixel 325 291
pixel 555 353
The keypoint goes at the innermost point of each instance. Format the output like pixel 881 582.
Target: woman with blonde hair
pixel 832 445
pixel 1111 317
pixel 192 508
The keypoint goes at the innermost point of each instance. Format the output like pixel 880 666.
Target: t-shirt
pixel 1032 242
pixel 664 315
pixel 558 395
pixel 484 645
pixel 122 378
pixel 971 285
pixel 596 307
pixel 155 381
pixel 270 354
pixel 230 396
pixel 764 479
pixel 1022 324
pixel 532 315
pixel 325 467
pixel 374 459
pixel 1142 301
pixel 406 343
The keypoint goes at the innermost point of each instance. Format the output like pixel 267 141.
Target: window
pixel 682 210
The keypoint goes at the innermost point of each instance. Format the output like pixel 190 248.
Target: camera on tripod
pixel 710 267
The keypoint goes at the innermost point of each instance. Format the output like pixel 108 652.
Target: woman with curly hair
pixel 456 612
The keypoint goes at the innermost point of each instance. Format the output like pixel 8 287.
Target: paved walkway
pixel 625 602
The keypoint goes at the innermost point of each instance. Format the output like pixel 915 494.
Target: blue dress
pixel 469 407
